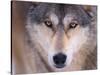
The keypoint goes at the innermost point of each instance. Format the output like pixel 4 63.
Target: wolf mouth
pixel 60 66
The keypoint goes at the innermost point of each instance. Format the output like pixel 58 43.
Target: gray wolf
pixel 60 38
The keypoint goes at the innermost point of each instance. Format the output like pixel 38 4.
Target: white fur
pixel 75 45
pixel 54 19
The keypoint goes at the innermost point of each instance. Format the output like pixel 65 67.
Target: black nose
pixel 59 60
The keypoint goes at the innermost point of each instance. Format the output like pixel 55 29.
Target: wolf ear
pixel 91 10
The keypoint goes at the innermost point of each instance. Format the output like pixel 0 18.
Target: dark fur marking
pixel 39 13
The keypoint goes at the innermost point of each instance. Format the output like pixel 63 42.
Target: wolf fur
pixel 41 42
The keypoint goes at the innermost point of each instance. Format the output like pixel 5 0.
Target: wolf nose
pixel 59 60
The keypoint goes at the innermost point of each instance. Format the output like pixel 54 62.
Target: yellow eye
pixel 48 23
pixel 73 25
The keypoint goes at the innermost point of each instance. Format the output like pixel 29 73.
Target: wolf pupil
pixel 73 25
pixel 48 23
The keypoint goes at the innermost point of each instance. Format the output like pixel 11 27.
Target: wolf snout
pixel 59 60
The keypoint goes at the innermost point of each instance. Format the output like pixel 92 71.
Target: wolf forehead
pixel 40 13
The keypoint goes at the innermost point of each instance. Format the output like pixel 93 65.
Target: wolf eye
pixel 48 23
pixel 73 25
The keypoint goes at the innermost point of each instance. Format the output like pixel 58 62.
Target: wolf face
pixel 62 34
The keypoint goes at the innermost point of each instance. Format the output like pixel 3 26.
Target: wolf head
pixel 62 34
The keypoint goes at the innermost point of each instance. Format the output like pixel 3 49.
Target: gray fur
pixel 38 14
